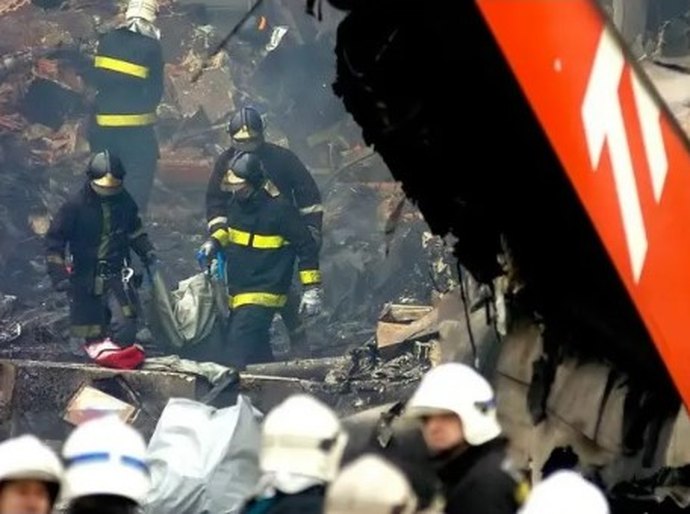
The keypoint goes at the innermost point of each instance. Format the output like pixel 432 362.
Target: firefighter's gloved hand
pixel 207 252
pixel 312 300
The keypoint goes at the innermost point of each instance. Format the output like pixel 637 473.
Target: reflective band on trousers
pixel 310 276
pixel 125 120
pixel 120 66
pixel 242 238
pixel 265 299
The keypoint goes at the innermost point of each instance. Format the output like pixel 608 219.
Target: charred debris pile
pixel 377 247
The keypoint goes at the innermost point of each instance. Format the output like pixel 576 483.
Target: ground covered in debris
pixel 377 248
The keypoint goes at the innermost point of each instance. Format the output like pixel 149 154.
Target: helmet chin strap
pixel 247 146
pixel 106 191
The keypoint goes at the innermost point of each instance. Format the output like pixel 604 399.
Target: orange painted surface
pixel 622 151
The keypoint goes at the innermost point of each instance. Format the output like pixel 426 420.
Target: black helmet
pixel 244 167
pixel 105 170
pixel 246 128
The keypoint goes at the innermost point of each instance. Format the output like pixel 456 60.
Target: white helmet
pixel 370 485
pixel 145 9
pixel 565 492
pixel 302 436
pixel 106 456
pixel 27 458
pixel 458 388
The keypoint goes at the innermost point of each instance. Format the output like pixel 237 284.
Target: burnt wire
pixel 226 40
pixel 319 8
pixel 466 309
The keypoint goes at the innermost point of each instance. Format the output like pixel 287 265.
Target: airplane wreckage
pixel 586 377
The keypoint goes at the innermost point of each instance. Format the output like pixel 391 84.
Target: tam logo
pixel 602 116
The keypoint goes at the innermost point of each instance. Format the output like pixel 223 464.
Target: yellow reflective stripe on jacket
pixel 267 242
pixel 239 237
pixel 264 299
pixel 120 66
pixel 125 120
pixel 262 242
pixel 310 276
pixel 221 235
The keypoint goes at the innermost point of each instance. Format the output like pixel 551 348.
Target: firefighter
pixel 370 485
pixel 105 468
pixel 287 173
pixel 302 444
pixel 458 412
pixel 565 492
pixel 261 232
pixel 129 80
pixel 287 70
pixel 30 476
pixel 100 224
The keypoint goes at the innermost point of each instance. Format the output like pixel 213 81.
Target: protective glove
pixel 311 302
pixel 207 252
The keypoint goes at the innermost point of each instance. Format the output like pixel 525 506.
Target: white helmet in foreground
pixel 370 485
pixel 565 492
pixel 302 436
pixel 144 9
pixel 27 458
pixel 459 389
pixel 105 456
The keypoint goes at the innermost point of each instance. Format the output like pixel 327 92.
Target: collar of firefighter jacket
pixel 144 27
pixel 454 464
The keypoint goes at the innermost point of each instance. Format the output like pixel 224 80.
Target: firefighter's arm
pixel 139 242
pixel 297 233
pixel 307 195
pixel 58 236
pixel 156 68
pixel 216 204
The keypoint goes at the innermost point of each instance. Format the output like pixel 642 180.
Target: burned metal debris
pixel 377 248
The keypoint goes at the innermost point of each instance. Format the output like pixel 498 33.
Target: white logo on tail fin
pixel 602 116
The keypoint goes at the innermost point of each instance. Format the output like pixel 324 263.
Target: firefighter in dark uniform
pixel 464 438
pixel 291 178
pixel 99 226
pixel 129 79
pixel 261 233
